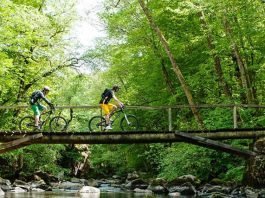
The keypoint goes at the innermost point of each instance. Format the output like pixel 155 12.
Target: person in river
pixel 36 106
pixel 107 107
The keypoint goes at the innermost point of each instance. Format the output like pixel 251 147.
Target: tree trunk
pixel 217 61
pixel 246 84
pixel 168 81
pixel 176 69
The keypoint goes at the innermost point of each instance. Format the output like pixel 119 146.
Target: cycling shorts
pixel 107 108
pixel 37 109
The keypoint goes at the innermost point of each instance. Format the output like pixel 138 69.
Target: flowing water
pixel 75 194
pixel 106 191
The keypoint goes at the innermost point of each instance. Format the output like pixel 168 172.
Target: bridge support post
pixel 235 117
pixel 255 174
pixel 169 119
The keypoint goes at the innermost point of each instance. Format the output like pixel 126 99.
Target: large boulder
pixel 89 189
pixel 2 193
pixel 158 186
pixel 18 190
pixel 184 189
pixel 5 184
pixel 89 192
pixel 48 178
pixel 22 184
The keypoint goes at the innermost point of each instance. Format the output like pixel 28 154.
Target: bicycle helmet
pixel 116 88
pixel 46 88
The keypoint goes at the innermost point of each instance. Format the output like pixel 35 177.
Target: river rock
pixel 70 186
pixel 84 182
pixel 208 188
pixel 37 190
pixel 184 179
pixel 132 176
pixel 145 191
pixel 89 192
pixel 262 194
pixel 5 185
pixel 75 180
pixel 250 193
pixel 238 192
pixel 158 181
pixel 137 183
pixel 92 182
pixel 157 189
pixel 158 186
pixel 218 195
pixel 22 184
pixel 37 183
pixel 46 177
pixel 184 189
pixel 2 193
pixel 18 190
pixel 174 194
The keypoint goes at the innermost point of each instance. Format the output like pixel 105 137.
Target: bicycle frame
pixel 116 114
pixel 126 122
pixel 46 115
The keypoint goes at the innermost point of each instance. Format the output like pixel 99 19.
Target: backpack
pixel 105 93
pixel 33 96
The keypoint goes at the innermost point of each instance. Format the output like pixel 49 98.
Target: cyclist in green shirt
pixel 36 107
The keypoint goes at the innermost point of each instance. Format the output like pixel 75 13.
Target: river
pixel 75 194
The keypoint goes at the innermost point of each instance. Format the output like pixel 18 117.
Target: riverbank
pixel 184 186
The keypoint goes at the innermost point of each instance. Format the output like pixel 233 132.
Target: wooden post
pixel 235 117
pixel 169 119
pixel 208 143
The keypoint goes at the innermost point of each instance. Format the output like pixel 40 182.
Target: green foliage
pixel 235 174
pixel 199 33
pixel 182 159
pixel 111 159
pixel 30 159
pixel 44 156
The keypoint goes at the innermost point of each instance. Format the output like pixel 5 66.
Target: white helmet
pixel 46 88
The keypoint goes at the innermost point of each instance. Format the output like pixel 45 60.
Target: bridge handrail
pixel 146 107
pixel 169 108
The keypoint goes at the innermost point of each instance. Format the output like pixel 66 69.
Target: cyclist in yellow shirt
pixel 107 107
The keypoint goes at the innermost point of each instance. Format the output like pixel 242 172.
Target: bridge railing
pixel 170 110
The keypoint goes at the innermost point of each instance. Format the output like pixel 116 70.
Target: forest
pixel 161 53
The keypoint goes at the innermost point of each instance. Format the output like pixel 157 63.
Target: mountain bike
pixel 127 122
pixel 56 123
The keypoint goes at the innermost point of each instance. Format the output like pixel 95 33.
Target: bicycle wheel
pixel 58 124
pixel 129 124
pixel 97 124
pixel 27 124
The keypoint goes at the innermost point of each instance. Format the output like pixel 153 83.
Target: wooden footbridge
pixel 209 139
